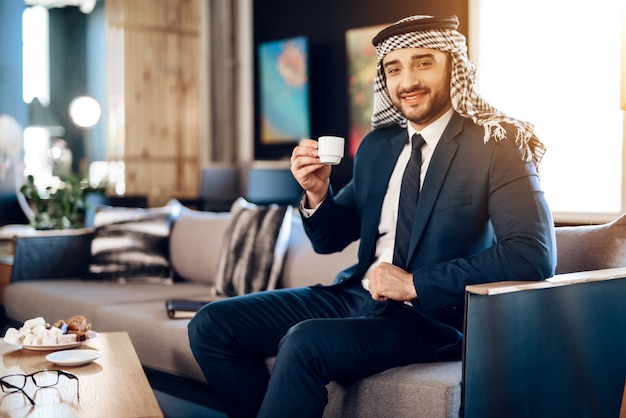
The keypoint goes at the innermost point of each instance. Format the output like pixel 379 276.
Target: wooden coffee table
pixel 114 385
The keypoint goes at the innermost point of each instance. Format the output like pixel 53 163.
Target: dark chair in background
pixel 220 186
pixel 262 183
pixel 11 211
pixel 13 206
pixel 269 183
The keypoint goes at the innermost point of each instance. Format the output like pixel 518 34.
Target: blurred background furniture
pixel 10 208
pixel 220 186
pixel 13 207
pixel 272 182
pixel 261 183
pixel 94 200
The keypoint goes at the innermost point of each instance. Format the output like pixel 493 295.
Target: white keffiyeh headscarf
pixel 441 34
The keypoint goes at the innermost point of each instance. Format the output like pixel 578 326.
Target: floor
pixel 180 398
pixel 174 407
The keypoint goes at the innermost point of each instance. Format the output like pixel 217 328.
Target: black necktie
pixel 409 193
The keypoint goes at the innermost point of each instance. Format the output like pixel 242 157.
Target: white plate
pixel 73 357
pixel 91 334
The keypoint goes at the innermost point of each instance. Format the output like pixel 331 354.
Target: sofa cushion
pixel 132 244
pixel 254 247
pixel 195 243
pixel 160 343
pixel 304 267
pixel 60 299
pixel 435 387
pixel 591 247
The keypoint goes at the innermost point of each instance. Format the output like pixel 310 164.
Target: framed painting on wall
pixel 361 72
pixel 284 90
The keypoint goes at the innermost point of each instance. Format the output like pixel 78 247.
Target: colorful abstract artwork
pixel 284 91
pixel 361 72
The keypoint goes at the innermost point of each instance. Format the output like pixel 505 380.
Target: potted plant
pixel 57 207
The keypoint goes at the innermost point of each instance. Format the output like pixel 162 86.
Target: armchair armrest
pixel 496 288
pixel 550 348
pixel 52 255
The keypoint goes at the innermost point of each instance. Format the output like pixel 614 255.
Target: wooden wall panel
pixel 140 174
pixel 161 95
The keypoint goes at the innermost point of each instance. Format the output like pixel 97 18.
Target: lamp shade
pixel 43 117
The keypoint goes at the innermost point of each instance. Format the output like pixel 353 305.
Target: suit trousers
pixel 317 334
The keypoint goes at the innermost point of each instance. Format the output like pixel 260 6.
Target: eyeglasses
pixel 42 379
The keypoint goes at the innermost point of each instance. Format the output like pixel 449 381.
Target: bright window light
pixel 36 56
pixel 110 173
pixel 557 64
pixel 36 156
pixel 36 84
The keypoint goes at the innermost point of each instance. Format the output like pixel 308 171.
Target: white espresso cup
pixel 330 149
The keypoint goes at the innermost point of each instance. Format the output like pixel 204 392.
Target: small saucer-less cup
pixel 330 149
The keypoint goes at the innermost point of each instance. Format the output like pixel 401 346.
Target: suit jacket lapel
pixel 435 177
pixel 388 156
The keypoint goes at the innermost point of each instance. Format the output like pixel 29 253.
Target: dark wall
pixel 68 71
pixel 324 23
pixel 77 68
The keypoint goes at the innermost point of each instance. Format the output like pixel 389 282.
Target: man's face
pixel 418 82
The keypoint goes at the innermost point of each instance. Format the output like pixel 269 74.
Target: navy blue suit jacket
pixel 481 216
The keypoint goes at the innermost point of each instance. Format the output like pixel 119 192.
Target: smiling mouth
pixel 413 97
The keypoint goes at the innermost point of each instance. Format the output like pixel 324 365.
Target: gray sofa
pixel 195 239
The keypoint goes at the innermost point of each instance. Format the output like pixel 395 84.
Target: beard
pixel 427 110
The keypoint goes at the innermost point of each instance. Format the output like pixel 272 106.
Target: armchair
pixel 554 348
pixel 546 349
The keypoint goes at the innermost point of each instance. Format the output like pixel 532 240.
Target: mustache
pixel 414 89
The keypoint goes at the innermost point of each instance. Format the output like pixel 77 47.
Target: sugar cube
pixel 13 336
pixel 66 338
pixel 33 322
pixel 55 331
pixel 38 330
pixel 28 340
pixel 49 339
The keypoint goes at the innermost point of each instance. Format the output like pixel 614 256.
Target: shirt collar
pixel 432 133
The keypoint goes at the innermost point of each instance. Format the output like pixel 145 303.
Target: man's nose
pixel 410 80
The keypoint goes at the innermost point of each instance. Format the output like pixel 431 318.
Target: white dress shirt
pixel 389 213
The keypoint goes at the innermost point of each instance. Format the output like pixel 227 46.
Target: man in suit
pixel 444 193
